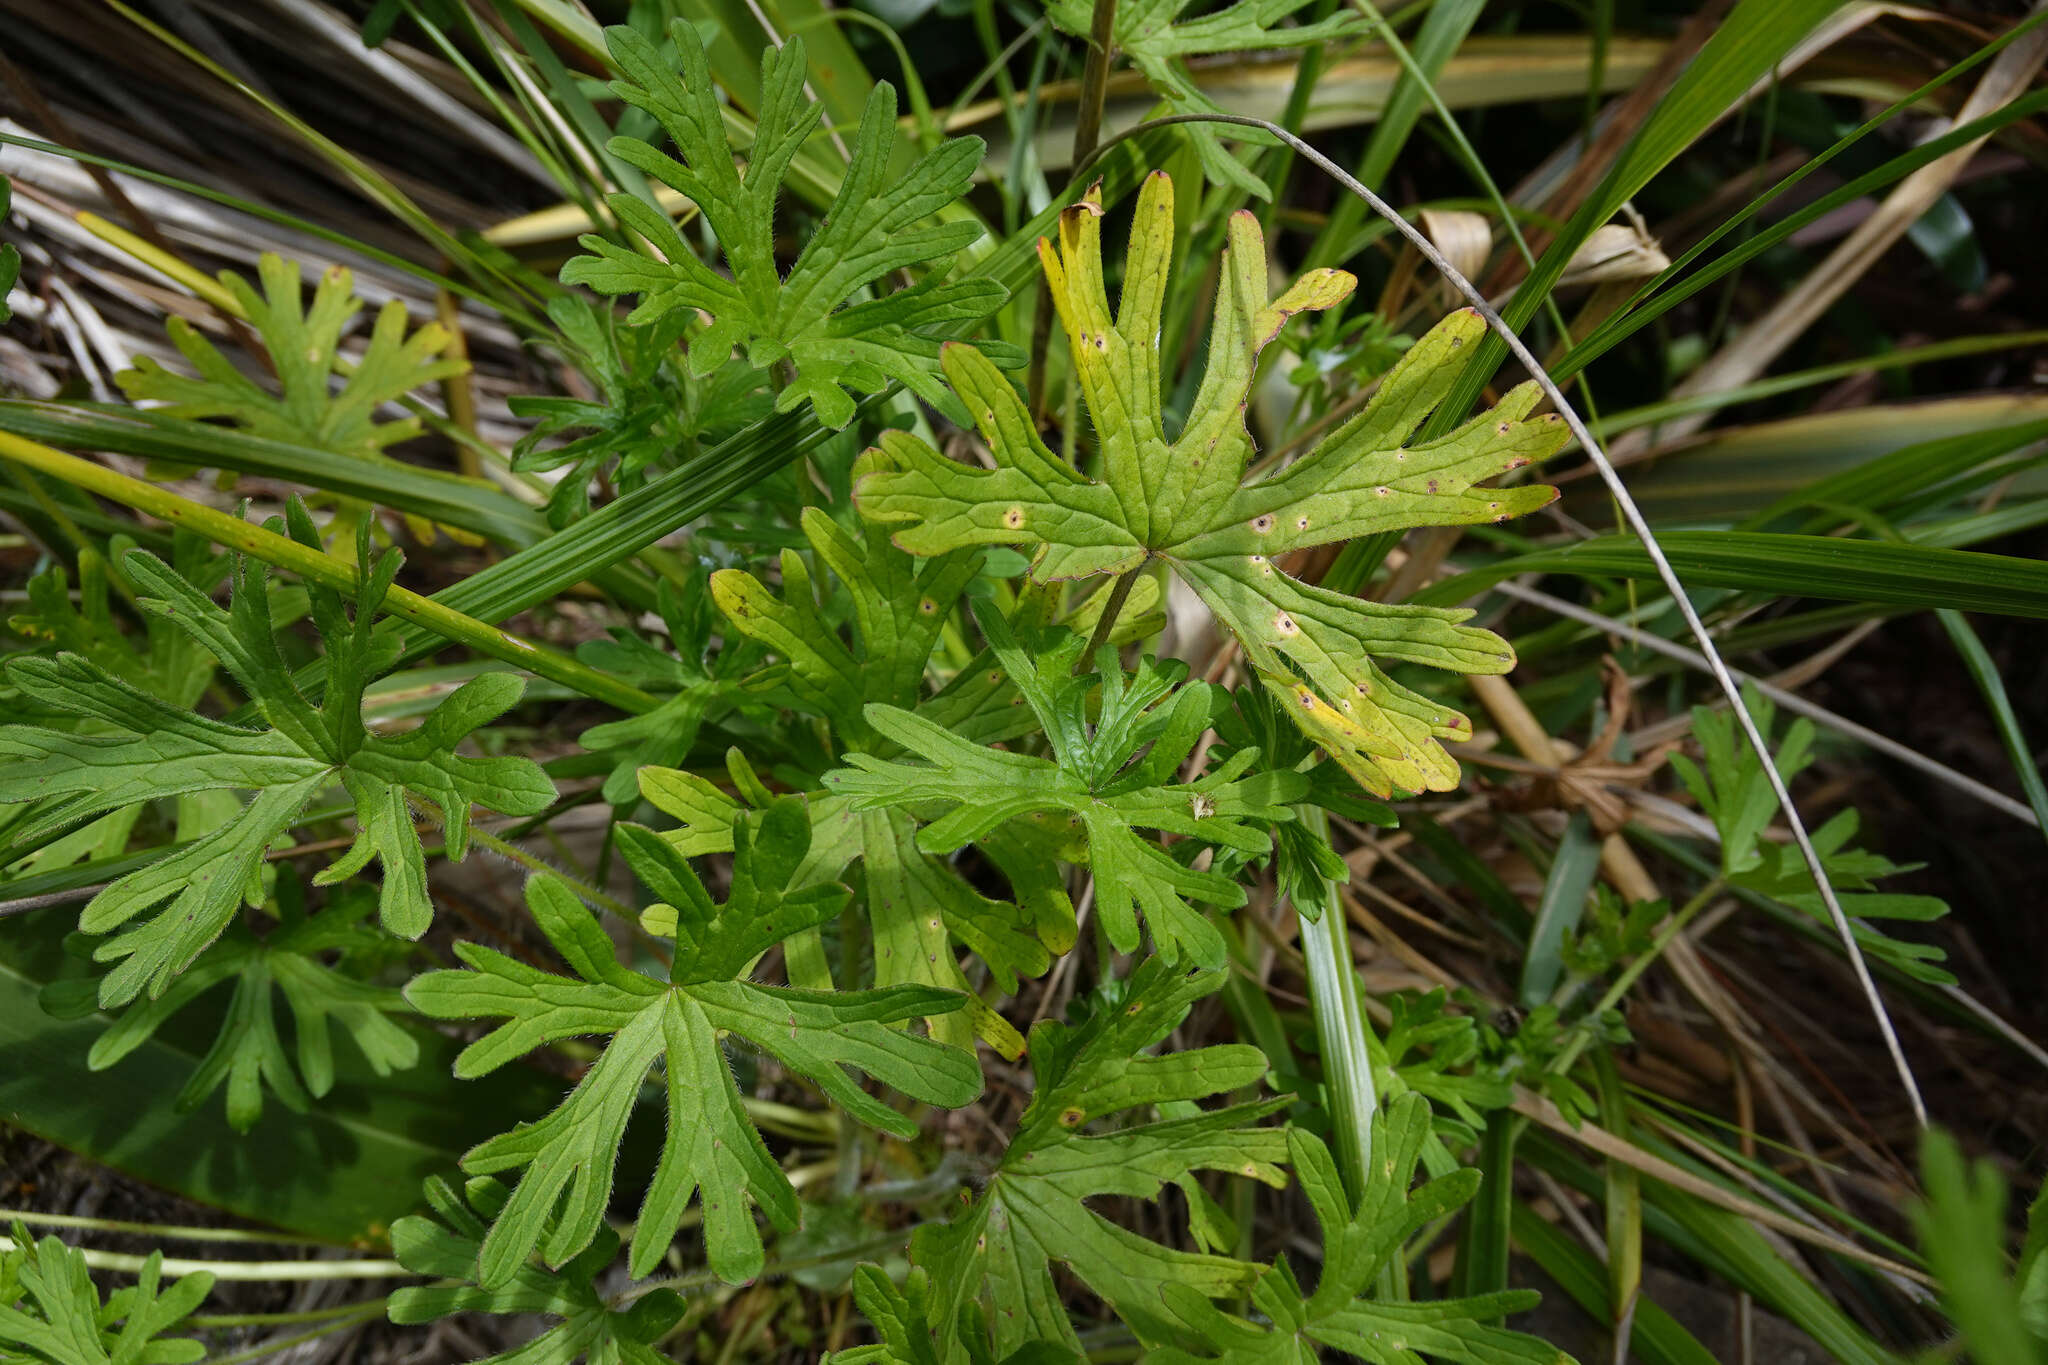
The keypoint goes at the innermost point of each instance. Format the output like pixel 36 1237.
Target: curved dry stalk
pixel 1637 524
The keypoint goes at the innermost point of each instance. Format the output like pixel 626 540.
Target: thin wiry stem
pixel 1791 701
pixel 1637 524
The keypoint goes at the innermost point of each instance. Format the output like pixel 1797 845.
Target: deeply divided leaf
pixel 1184 500
pixel 831 322
pixel 128 747
pixel 567 1159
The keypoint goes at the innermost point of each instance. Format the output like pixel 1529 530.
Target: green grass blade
pixel 1562 904
pixel 1791 566
pixel 1483 1253
pixel 513 309
pixel 1727 1244
pixel 1752 40
pixel 1650 414
pixel 1658 1339
pixel 1631 318
pixel 1445 27
pixel 449 499
pixel 1984 671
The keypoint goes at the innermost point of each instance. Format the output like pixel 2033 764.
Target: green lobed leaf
pixel 446 1249
pixel 288 966
pixel 568 1157
pixel 814 320
pixel 1159 43
pixel 898 606
pixel 1185 501
pixel 1733 790
pixel 51 1312
pixel 303 344
pixel 132 748
pixel 918 906
pixel 1359 1238
pixel 649 415
pixel 1033 1211
pixel 1095 786
pixel 341 1172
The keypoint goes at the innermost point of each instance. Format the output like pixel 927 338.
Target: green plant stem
pixel 126 1264
pixel 285 553
pixel 590 894
pixel 283 1319
pixel 704 1279
pixel 1341 1028
pixel 271 1348
pixel 174 1233
pixel 1095 78
pixel 532 864
pixel 1119 593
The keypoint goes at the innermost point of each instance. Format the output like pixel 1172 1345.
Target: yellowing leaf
pixel 1183 498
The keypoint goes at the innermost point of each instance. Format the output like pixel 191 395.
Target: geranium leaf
pixel 51 1314
pixel 303 344
pixel 1733 790
pixel 568 1156
pixel 1033 1211
pixel 289 966
pixel 1150 34
pixel 814 321
pixel 591 1329
pixel 650 413
pixel 130 747
pixel 1184 500
pixel 1095 786
pixel 1358 1239
pixel 899 605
